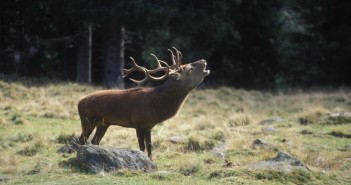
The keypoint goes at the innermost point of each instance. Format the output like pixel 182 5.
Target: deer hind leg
pixel 88 125
pixel 99 134
pixel 140 134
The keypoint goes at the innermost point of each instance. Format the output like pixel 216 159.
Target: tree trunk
pixel 84 55
pixel 114 56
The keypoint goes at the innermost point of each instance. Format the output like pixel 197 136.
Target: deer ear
pixel 175 76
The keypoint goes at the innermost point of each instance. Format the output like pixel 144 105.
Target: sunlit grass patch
pixel 39 118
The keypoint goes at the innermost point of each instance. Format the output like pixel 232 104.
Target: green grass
pixel 39 117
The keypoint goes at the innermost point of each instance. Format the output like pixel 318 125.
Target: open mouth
pixel 206 72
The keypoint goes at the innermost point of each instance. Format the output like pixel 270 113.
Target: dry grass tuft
pixel 31 149
pixel 190 167
pixel 311 115
pixel 239 120
pixel 9 165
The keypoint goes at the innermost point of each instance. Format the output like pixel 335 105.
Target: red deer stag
pixel 141 108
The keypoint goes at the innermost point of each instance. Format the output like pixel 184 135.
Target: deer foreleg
pixel 141 135
pixel 148 142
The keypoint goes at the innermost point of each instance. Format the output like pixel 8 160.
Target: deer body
pixel 113 107
pixel 139 108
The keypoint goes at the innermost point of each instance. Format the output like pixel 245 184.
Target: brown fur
pixel 139 108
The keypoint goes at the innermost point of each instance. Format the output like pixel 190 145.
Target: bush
pixel 195 145
pixel 17 119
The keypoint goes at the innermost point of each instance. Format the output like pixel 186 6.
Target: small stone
pixel 338 118
pixel 163 172
pixel 306 132
pixel 283 162
pixel 287 142
pixel 268 129
pixel 66 149
pixel 257 143
pixel 218 151
pixel 176 139
pixel 348 147
pixel 70 147
pixel 4 179
pixel 270 120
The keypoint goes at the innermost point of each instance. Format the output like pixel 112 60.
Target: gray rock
pixel 268 129
pixel 70 147
pixel 96 159
pixel 4 179
pixel 219 151
pixel 176 139
pixel 338 118
pixel 348 147
pixel 271 120
pixel 66 149
pixel 281 162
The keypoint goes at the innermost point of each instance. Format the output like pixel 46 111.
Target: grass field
pixel 38 117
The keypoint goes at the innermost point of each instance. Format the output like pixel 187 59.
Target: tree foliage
pixel 248 43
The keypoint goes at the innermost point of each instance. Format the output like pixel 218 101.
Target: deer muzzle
pixel 203 63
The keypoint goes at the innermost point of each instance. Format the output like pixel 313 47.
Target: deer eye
pixel 189 68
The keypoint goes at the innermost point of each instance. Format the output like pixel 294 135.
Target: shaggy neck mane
pixel 168 98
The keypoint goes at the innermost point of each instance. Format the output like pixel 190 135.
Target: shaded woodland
pixel 247 43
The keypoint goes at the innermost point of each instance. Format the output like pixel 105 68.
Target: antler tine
pixel 178 57
pixel 173 58
pixel 159 68
pixel 139 82
pixel 135 67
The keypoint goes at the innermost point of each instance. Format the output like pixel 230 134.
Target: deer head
pixel 186 76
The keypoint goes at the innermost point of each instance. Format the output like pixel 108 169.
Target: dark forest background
pixel 247 43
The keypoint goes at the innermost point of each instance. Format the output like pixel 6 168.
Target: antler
pixel 176 59
pixel 147 72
